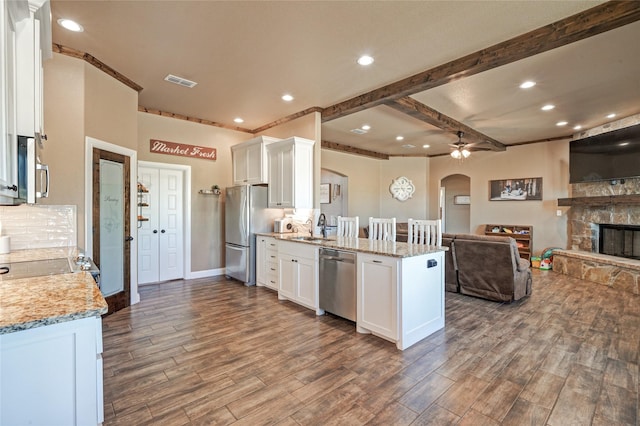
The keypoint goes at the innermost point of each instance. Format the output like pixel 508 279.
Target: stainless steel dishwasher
pixel 338 282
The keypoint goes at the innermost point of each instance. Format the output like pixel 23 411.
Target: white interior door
pixel 148 237
pixel 171 252
pixel 161 238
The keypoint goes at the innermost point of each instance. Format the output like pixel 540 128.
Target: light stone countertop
pixel 38 254
pixel 39 301
pixel 361 245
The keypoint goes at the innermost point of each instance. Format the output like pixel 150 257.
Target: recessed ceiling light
pixel 425 146
pixel 527 84
pixel 408 146
pixel 548 107
pixel 562 123
pixel 623 144
pixel 365 60
pixel 611 115
pixel 358 131
pixel 399 138
pixel 238 120
pixel 287 97
pixel 366 127
pixel 70 25
pixel 578 127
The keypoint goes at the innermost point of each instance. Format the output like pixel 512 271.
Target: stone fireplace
pixel 603 211
pixel 601 203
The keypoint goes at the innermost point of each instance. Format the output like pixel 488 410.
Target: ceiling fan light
pixel 465 153
pixel 456 154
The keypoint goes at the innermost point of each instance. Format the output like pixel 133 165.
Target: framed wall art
pixel 520 189
pixel 325 193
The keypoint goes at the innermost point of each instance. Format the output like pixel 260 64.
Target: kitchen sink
pixel 310 239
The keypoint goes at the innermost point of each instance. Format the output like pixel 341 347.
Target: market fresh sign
pixel 182 150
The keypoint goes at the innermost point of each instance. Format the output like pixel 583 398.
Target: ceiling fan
pixel 461 148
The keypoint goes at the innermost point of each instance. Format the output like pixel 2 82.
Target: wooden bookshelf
pixel 522 234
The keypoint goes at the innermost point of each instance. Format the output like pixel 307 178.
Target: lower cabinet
pixel 267 262
pixel 298 274
pixel 53 374
pixel 377 298
pixel 400 299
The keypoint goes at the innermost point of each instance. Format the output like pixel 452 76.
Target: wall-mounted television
pixel 608 156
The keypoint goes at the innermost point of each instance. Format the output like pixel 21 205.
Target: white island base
pixel 400 299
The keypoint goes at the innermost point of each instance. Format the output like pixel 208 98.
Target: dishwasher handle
pixel 338 259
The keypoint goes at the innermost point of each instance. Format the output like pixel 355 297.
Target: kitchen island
pixel 399 288
pixel 50 346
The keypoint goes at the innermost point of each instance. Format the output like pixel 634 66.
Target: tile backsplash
pixel 39 226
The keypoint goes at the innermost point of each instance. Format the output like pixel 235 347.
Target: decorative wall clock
pixel 402 188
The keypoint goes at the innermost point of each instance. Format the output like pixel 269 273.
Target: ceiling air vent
pixel 180 81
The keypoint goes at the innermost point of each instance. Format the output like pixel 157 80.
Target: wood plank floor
pixel 211 351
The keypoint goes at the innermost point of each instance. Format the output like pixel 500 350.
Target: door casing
pixel 90 144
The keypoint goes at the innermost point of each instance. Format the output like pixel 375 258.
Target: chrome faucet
pixel 322 222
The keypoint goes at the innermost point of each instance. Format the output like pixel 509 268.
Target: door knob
pixel 128 238
pixel 155 231
pixel 162 230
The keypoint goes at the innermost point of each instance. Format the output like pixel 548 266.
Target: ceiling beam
pixel 353 150
pixel 598 19
pixel 421 112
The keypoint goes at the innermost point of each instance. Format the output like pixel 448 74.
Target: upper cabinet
pixel 290 165
pixel 249 161
pixel 8 139
pixel 30 101
pixel 24 25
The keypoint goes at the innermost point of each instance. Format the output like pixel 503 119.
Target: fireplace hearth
pixel 619 240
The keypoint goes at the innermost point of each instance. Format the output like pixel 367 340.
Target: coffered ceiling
pixel 246 55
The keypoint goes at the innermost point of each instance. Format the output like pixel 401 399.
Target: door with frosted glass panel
pixel 111 229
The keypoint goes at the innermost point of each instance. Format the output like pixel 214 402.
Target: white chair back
pixel 348 226
pixel 425 232
pixel 382 229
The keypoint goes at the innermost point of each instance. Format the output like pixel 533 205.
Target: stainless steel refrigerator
pixel 246 213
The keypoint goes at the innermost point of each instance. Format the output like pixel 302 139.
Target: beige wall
pixel 369 181
pixel 548 160
pixel 364 178
pixel 207 211
pixel 417 171
pixel 80 101
pixel 110 109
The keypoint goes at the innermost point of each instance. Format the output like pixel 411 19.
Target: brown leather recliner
pixel 490 267
pixel 450 268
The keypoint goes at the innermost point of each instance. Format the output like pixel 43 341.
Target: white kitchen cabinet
pixel 8 139
pixel 52 375
pixel 30 100
pixel 377 295
pixel 249 161
pixel 160 225
pixel 298 274
pixel 290 165
pixel 400 299
pixel 267 262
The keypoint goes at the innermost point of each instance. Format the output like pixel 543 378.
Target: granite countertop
pixel 38 301
pixel 38 254
pixel 362 245
pixel 35 302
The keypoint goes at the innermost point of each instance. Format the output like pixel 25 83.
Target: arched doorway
pixel 337 185
pixel 456 214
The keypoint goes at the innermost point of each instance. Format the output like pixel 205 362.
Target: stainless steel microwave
pixel 33 177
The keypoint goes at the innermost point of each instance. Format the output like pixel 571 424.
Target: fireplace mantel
pixel 601 201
